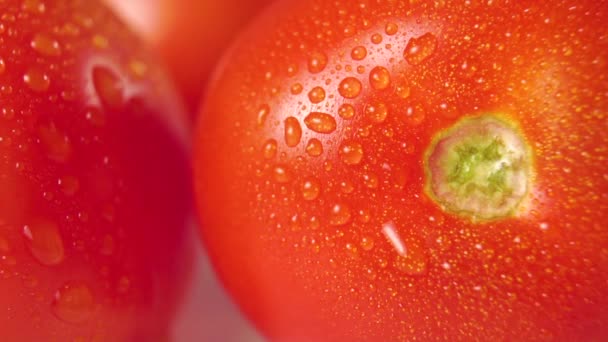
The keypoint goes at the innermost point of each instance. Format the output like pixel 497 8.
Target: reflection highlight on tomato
pixel 94 191
pixel 391 171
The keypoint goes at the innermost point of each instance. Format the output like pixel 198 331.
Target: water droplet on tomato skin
pixel 419 49
pixel 2 66
pixel 320 122
pixel 37 80
pixel 379 78
pixel 262 114
pixel 376 112
pixel 358 53
pixel 33 6
pixel 310 189
pixel 44 242
pixel 269 150
pixel 367 244
pixel 317 61
pixel 292 132
pixel 45 45
pixel 391 29
pixel 376 38
pixel 281 174
pixel 296 88
pixel 73 303
pixel 346 111
pixel 351 152
pixel 316 95
pixel 314 148
pixel 350 87
pixel 339 214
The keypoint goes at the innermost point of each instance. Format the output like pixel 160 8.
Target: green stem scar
pixel 479 168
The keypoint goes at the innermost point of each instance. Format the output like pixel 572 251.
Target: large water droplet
pixel 346 111
pixel 316 95
pixel 358 53
pixel 376 112
pixel 420 48
pixel 314 148
pixel 391 29
pixel 37 80
pixel 317 61
pixel 73 303
pixel 45 45
pixel 320 122
pixel 351 152
pixel 376 38
pixel 379 78
pixel 44 242
pixel 310 189
pixel 339 214
pixel 293 131
pixel 109 87
pixel 263 112
pixel 350 87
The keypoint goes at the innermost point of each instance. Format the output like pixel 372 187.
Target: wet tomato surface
pixel 94 184
pixel 400 171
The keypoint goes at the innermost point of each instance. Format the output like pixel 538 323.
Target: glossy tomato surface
pixel 94 190
pixel 190 36
pixel 400 171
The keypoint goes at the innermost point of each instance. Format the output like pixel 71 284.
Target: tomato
pixel 189 35
pixel 94 190
pixel 425 170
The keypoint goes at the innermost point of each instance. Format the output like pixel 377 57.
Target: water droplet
pixel 413 264
pixel 379 78
pixel 351 152
pixel 69 185
pixel 293 131
pixel 33 6
pixel 45 45
pixel 339 214
pixel 109 87
pixel 391 29
pixel 281 174
pixel 320 122
pixel 44 242
pixel 402 90
pixel 263 112
pixel 314 148
pixel 37 80
pixel 73 303
pixel 269 150
pixel 2 66
pixel 358 53
pixel 292 70
pixel 376 38
pixel 296 88
pixel 346 111
pixel 316 94
pixel 56 144
pixel 350 87
pixel 310 189
pixel 376 112
pixel 347 186
pixel 100 42
pixel 370 180
pixel 95 117
pixel 317 61
pixel 367 244
pixel 414 115
pixel 352 250
pixel 420 48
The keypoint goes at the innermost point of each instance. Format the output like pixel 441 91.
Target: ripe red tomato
pixel 428 170
pixel 94 191
pixel 189 35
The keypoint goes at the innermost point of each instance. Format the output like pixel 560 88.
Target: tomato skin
pixel 188 35
pixel 341 242
pixel 94 186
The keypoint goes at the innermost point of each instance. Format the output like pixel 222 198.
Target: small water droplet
pixel 292 70
pixel 314 148
pixel 310 189
pixel 317 61
pixel 352 250
pixel 379 78
pixel 370 180
pixel 95 117
pixel 316 95
pixel 108 86
pixel 33 6
pixel 402 90
pixel 419 49
pixel 73 303
pixel 414 115
pixel 350 87
pixel 376 112
pixel 100 42
pixel 281 174
pixel 293 131
pixel 347 186
pixel 45 45
pixel 44 242
pixel 320 122
pixel 339 214
pixel 269 150
pixel 263 112
pixel 351 152
pixel 37 80
pixel 296 88
pixel 376 38
pixel 391 29
pixel 346 111
pixel 358 53
pixel 2 66
pixel 367 244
